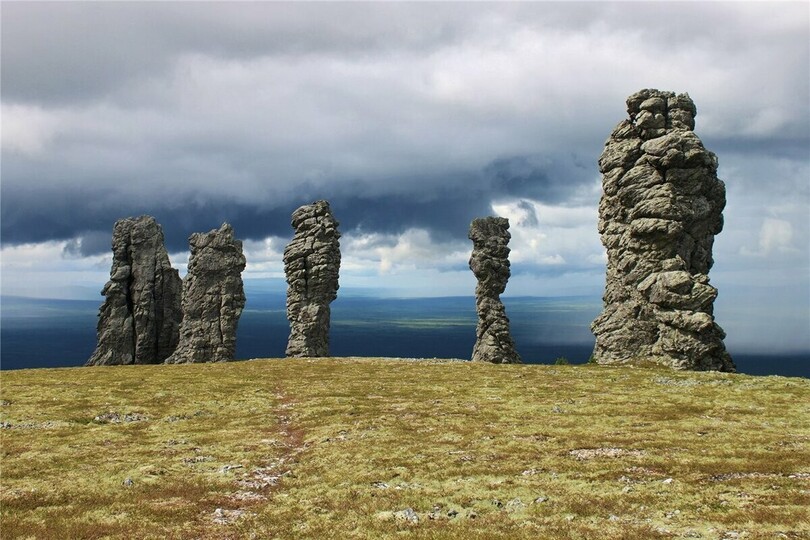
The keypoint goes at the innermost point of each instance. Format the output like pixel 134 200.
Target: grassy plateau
pixel 377 448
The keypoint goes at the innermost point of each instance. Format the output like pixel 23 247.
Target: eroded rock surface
pixel 312 266
pixel 661 207
pixel 213 298
pixel 139 320
pixel 490 264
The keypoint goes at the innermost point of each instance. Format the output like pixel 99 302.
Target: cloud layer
pixel 412 119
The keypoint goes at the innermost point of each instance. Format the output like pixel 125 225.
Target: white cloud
pixel 393 254
pixel 43 270
pixel 776 235
pixel 264 258
pixel 27 130
pixel 551 235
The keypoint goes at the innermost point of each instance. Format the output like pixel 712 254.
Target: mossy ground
pixel 333 448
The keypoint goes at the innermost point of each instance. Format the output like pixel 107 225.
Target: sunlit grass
pixel 339 448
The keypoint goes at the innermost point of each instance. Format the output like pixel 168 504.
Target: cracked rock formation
pixel 213 298
pixel 312 265
pixel 490 264
pixel 139 320
pixel 661 207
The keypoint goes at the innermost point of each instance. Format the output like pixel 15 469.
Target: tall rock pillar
pixel 312 265
pixel 213 298
pixel 139 320
pixel 490 264
pixel 661 207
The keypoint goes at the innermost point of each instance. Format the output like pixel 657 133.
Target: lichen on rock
pixel 213 298
pixel 139 320
pixel 490 264
pixel 312 266
pixel 661 207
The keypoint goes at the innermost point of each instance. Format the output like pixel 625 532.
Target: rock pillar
pixel 213 298
pixel 312 265
pixel 139 320
pixel 661 207
pixel 490 264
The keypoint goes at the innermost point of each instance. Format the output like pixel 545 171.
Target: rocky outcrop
pixel 139 320
pixel 490 264
pixel 661 207
pixel 312 265
pixel 213 298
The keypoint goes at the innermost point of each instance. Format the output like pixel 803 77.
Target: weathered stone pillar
pixel 490 264
pixel 139 320
pixel 213 298
pixel 312 265
pixel 661 206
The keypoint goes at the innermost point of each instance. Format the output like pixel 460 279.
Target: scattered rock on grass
pixel 247 496
pixel 116 418
pixel 515 505
pixel 436 512
pixel 226 517
pixel 582 454
pixel 262 478
pixel 407 515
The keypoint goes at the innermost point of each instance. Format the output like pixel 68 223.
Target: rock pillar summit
pixel 490 264
pixel 312 266
pixel 661 207
pixel 139 319
pixel 213 298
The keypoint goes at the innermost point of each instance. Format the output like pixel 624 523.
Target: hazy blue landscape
pixel 57 333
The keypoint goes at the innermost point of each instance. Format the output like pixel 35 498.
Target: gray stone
pixel 312 266
pixel 490 264
pixel 661 207
pixel 213 298
pixel 139 320
pixel 407 515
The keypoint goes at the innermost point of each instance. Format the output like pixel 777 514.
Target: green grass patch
pixel 375 448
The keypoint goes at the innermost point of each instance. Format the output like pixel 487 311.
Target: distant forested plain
pixel 59 333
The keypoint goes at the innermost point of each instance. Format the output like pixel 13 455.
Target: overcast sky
pixel 411 119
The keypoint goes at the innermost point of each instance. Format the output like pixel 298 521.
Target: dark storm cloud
pixel 402 115
pixel 546 179
pixel 62 52
pixel 87 244
pixel 40 215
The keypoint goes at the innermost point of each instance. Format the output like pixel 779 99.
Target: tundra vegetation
pixel 371 448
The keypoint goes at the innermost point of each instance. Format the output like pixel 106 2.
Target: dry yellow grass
pixel 374 448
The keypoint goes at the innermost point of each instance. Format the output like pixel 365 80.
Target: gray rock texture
pixel 661 207
pixel 213 298
pixel 139 320
pixel 312 265
pixel 490 264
